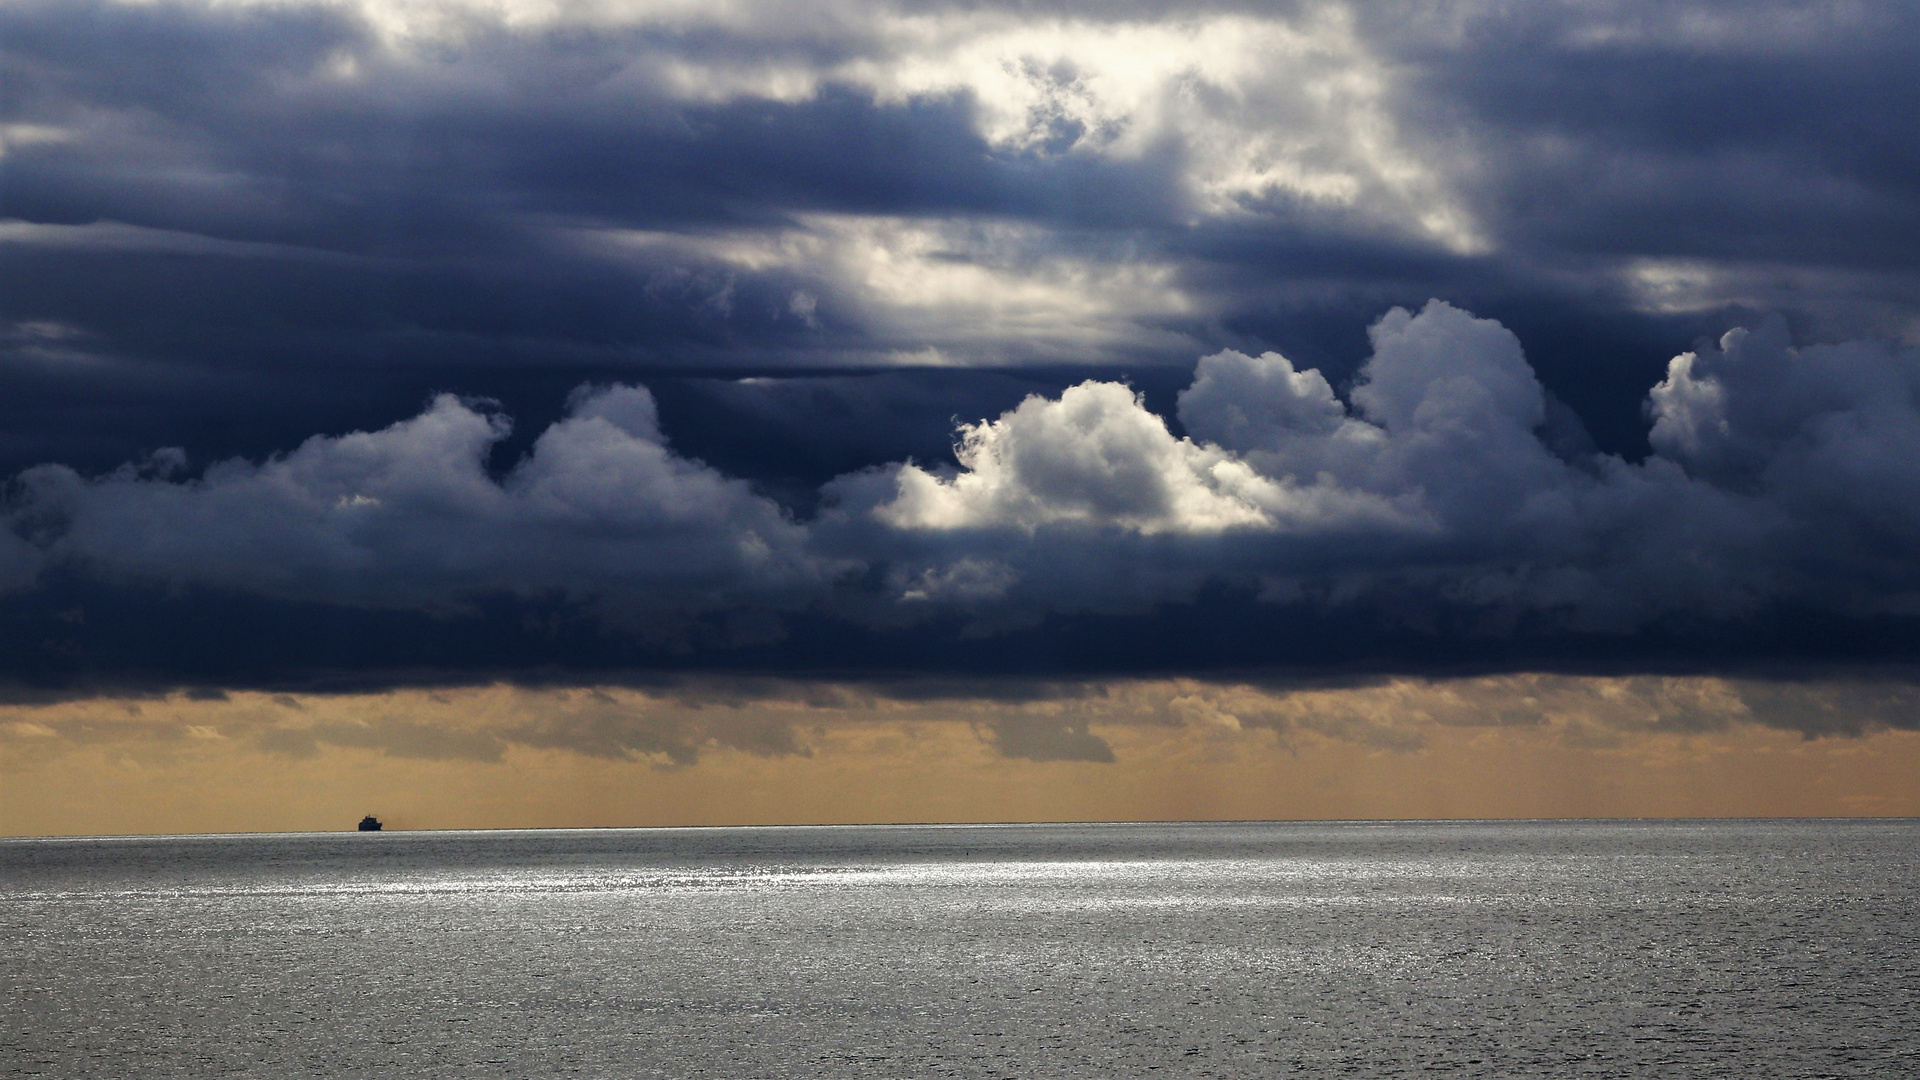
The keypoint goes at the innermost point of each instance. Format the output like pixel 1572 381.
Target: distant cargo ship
pixel 369 824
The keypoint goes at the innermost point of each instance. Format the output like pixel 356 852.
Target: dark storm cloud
pixel 737 278
pixel 1426 521
pixel 1756 132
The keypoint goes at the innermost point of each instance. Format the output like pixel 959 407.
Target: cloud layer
pixel 228 225
pixel 1435 498
pixel 989 337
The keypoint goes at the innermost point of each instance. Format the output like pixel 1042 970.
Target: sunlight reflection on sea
pixel 1520 949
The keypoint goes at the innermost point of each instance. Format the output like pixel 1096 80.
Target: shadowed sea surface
pixel 1515 949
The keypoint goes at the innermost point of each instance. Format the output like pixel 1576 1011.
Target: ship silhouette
pixel 370 824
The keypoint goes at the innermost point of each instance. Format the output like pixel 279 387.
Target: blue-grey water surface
pixel 1521 949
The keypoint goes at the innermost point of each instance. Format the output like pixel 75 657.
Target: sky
pixel 523 412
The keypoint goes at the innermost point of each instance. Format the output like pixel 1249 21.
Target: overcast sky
pixel 363 345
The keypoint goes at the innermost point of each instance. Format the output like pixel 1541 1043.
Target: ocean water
pixel 1515 949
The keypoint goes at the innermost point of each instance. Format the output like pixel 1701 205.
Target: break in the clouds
pixel 937 337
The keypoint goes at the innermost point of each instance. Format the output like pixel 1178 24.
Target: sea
pixel 1753 949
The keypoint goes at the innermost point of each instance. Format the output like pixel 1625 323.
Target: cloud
pixel 1434 495
pixel 931 291
pixel 1447 405
pixel 409 516
pixel 669 732
pixel 1048 740
pixel 20 562
pixel 1095 456
pixel 229 226
pixel 348 205
pixel 395 738
pixel 1433 482
pixel 1125 723
pixel 1827 436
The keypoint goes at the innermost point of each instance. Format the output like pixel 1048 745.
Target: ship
pixel 370 824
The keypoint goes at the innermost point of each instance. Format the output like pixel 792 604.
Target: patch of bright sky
pixel 962 287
